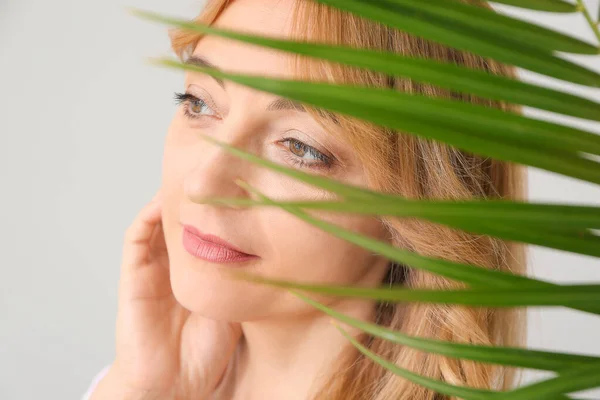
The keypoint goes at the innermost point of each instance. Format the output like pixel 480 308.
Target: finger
pixel 157 241
pixel 139 234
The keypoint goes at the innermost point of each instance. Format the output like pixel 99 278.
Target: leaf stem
pixel 581 6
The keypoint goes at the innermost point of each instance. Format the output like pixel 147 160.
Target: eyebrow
pixel 203 62
pixel 278 104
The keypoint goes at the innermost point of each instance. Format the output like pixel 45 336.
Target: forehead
pixel 259 17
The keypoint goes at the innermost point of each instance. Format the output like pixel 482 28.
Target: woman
pixel 185 330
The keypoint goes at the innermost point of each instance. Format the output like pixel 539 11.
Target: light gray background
pixel 82 122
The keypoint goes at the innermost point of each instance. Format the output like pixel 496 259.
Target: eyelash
pixel 185 99
pixel 325 162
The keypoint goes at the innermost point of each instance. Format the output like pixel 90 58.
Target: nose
pixel 215 172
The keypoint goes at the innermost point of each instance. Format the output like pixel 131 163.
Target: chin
pixel 202 287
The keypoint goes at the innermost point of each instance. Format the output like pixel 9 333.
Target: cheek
pixel 178 157
pixel 306 253
pixel 297 250
pixel 169 158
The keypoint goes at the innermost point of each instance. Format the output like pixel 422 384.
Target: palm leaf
pixel 501 210
pixel 545 228
pixel 447 75
pixel 510 356
pixel 560 295
pixel 586 14
pixel 462 392
pixel 573 380
pixel 481 130
pixel 499 25
pixel 429 26
pixel 558 6
pixel 474 276
pixel 548 234
pixel 503 138
pixel 496 211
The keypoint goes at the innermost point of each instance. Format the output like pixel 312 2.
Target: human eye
pixel 193 107
pixel 306 156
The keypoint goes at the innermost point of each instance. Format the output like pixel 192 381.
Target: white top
pixel 221 392
pixel 97 378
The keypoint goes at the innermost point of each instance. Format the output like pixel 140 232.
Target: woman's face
pixel 283 246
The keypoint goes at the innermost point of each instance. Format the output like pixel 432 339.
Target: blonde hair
pixel 417 168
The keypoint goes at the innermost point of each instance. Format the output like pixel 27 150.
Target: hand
pixel 163 351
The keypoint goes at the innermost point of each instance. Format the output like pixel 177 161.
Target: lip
pixel 212 248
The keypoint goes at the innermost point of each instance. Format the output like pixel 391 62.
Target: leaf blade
pixel 551 236
pixel 559 295
pixel 380 110
pixel 557 6
pixel 464 38
pixel 474 276
pixel 462 392
pixel 508 27
pixel 495 211
pixel 573 380
pixel 447 75
pixel 510 356
pixel 548 232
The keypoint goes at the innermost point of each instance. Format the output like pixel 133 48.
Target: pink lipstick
pixel 212 248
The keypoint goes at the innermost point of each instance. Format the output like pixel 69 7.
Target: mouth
pixel 212 248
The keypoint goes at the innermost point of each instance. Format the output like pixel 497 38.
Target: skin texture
pixel 181 318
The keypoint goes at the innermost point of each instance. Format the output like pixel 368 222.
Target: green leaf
pixel 447 75
pixel 462 392
pixel 545 231
pixel 504 136
pixel 564 237
pixel 474 276
pixel 496 24
pixel 435 28
pixel 357 193
pixel 573 380
pixel 588 17
pixel 539 215
pixel 418 114
pixel 511 356
pixel 586 244
pixel 559 295
pixel 558 6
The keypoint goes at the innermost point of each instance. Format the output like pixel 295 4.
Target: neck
pixel 289 357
